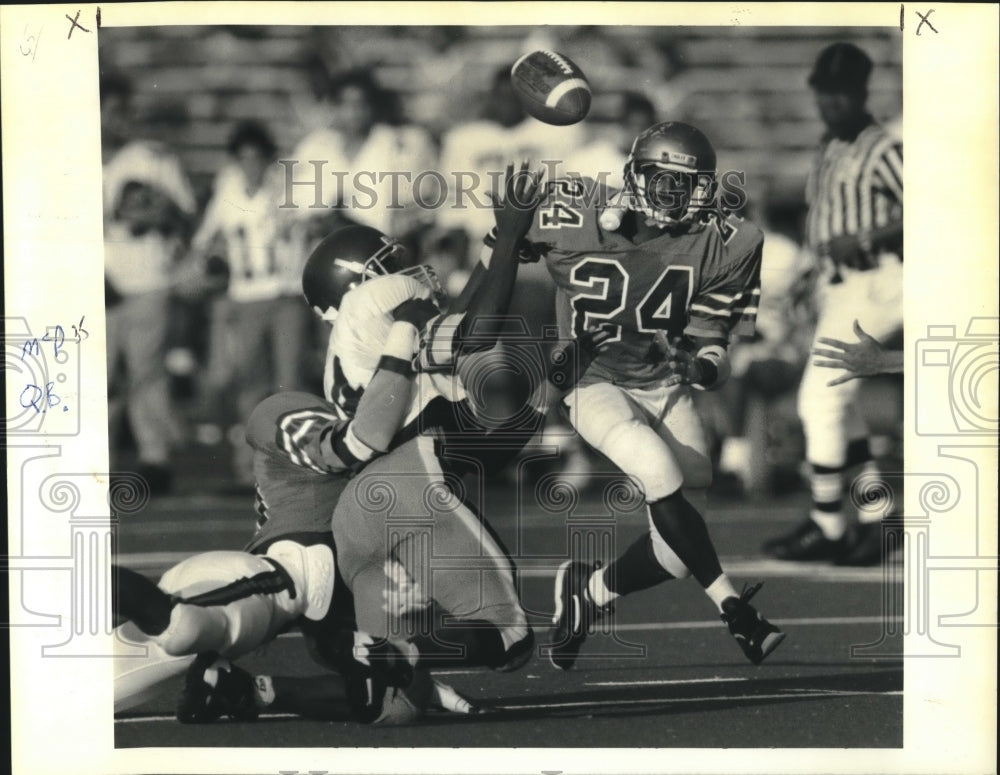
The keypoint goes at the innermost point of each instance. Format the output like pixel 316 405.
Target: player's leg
pixel 484 613
pixel 835 432
pixel 665 426
pixel 615 424
pixel 487 620
pixel 883 314
pixel 218 602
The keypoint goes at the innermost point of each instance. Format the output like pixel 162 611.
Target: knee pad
pixel 638 451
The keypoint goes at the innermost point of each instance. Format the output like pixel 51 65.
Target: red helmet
pixel 670 174
pixel 350 256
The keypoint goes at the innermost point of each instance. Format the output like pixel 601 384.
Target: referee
pixel 855 231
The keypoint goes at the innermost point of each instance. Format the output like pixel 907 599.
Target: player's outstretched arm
pixel 490 299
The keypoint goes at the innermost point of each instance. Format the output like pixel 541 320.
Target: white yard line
pixel 666 681
pixel 807 693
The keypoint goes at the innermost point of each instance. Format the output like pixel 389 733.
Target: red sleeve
pixel 302 428
pixel 725 306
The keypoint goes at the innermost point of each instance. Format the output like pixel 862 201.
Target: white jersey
pixel 142 263
pixel 358 339
pixel 259 268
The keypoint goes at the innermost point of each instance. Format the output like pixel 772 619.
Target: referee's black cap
pixel 841 67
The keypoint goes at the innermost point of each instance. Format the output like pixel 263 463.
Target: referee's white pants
pixel 830 415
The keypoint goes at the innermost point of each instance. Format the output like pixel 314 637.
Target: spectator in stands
pixel 371 161
pixel 148 208
pixel 263 319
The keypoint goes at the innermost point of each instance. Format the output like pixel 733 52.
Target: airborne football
pixel 551 88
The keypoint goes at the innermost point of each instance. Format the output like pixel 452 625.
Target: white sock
pixel 598 590
pixel 720 589
pixel 263 690
pixel 832 523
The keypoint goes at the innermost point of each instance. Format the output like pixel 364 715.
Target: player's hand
pixel 568 363
pixel 523 193
pixel 864 358
pixel 416 312
pixel 685 368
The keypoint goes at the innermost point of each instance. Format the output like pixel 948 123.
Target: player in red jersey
pixel 672 279
pixel 299 441
pixel 227 603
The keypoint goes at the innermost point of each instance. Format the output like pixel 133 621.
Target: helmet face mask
pixel 670 175
pixel 351 256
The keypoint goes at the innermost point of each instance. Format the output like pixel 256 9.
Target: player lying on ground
pixel 673 279
pixel 468 616
pixel 230 603
pixel 295 491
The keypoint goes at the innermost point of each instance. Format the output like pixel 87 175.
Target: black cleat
pixel 805 543
pixel 214 688
pixel 574 615
pixel 755 634
pixel 870 544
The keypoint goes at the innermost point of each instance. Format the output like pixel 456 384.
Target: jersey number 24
pixel 605 295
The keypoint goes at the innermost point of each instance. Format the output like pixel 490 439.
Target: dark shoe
pixel 214 688
pixel 755 634
pixel 870 543
pixel 805 543
pixel 574 614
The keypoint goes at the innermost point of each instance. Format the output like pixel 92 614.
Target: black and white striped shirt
pixel 855 187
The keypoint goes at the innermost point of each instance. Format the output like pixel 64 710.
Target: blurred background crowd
pixel 202 125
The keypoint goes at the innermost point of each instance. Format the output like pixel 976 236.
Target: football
pixel 551 87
